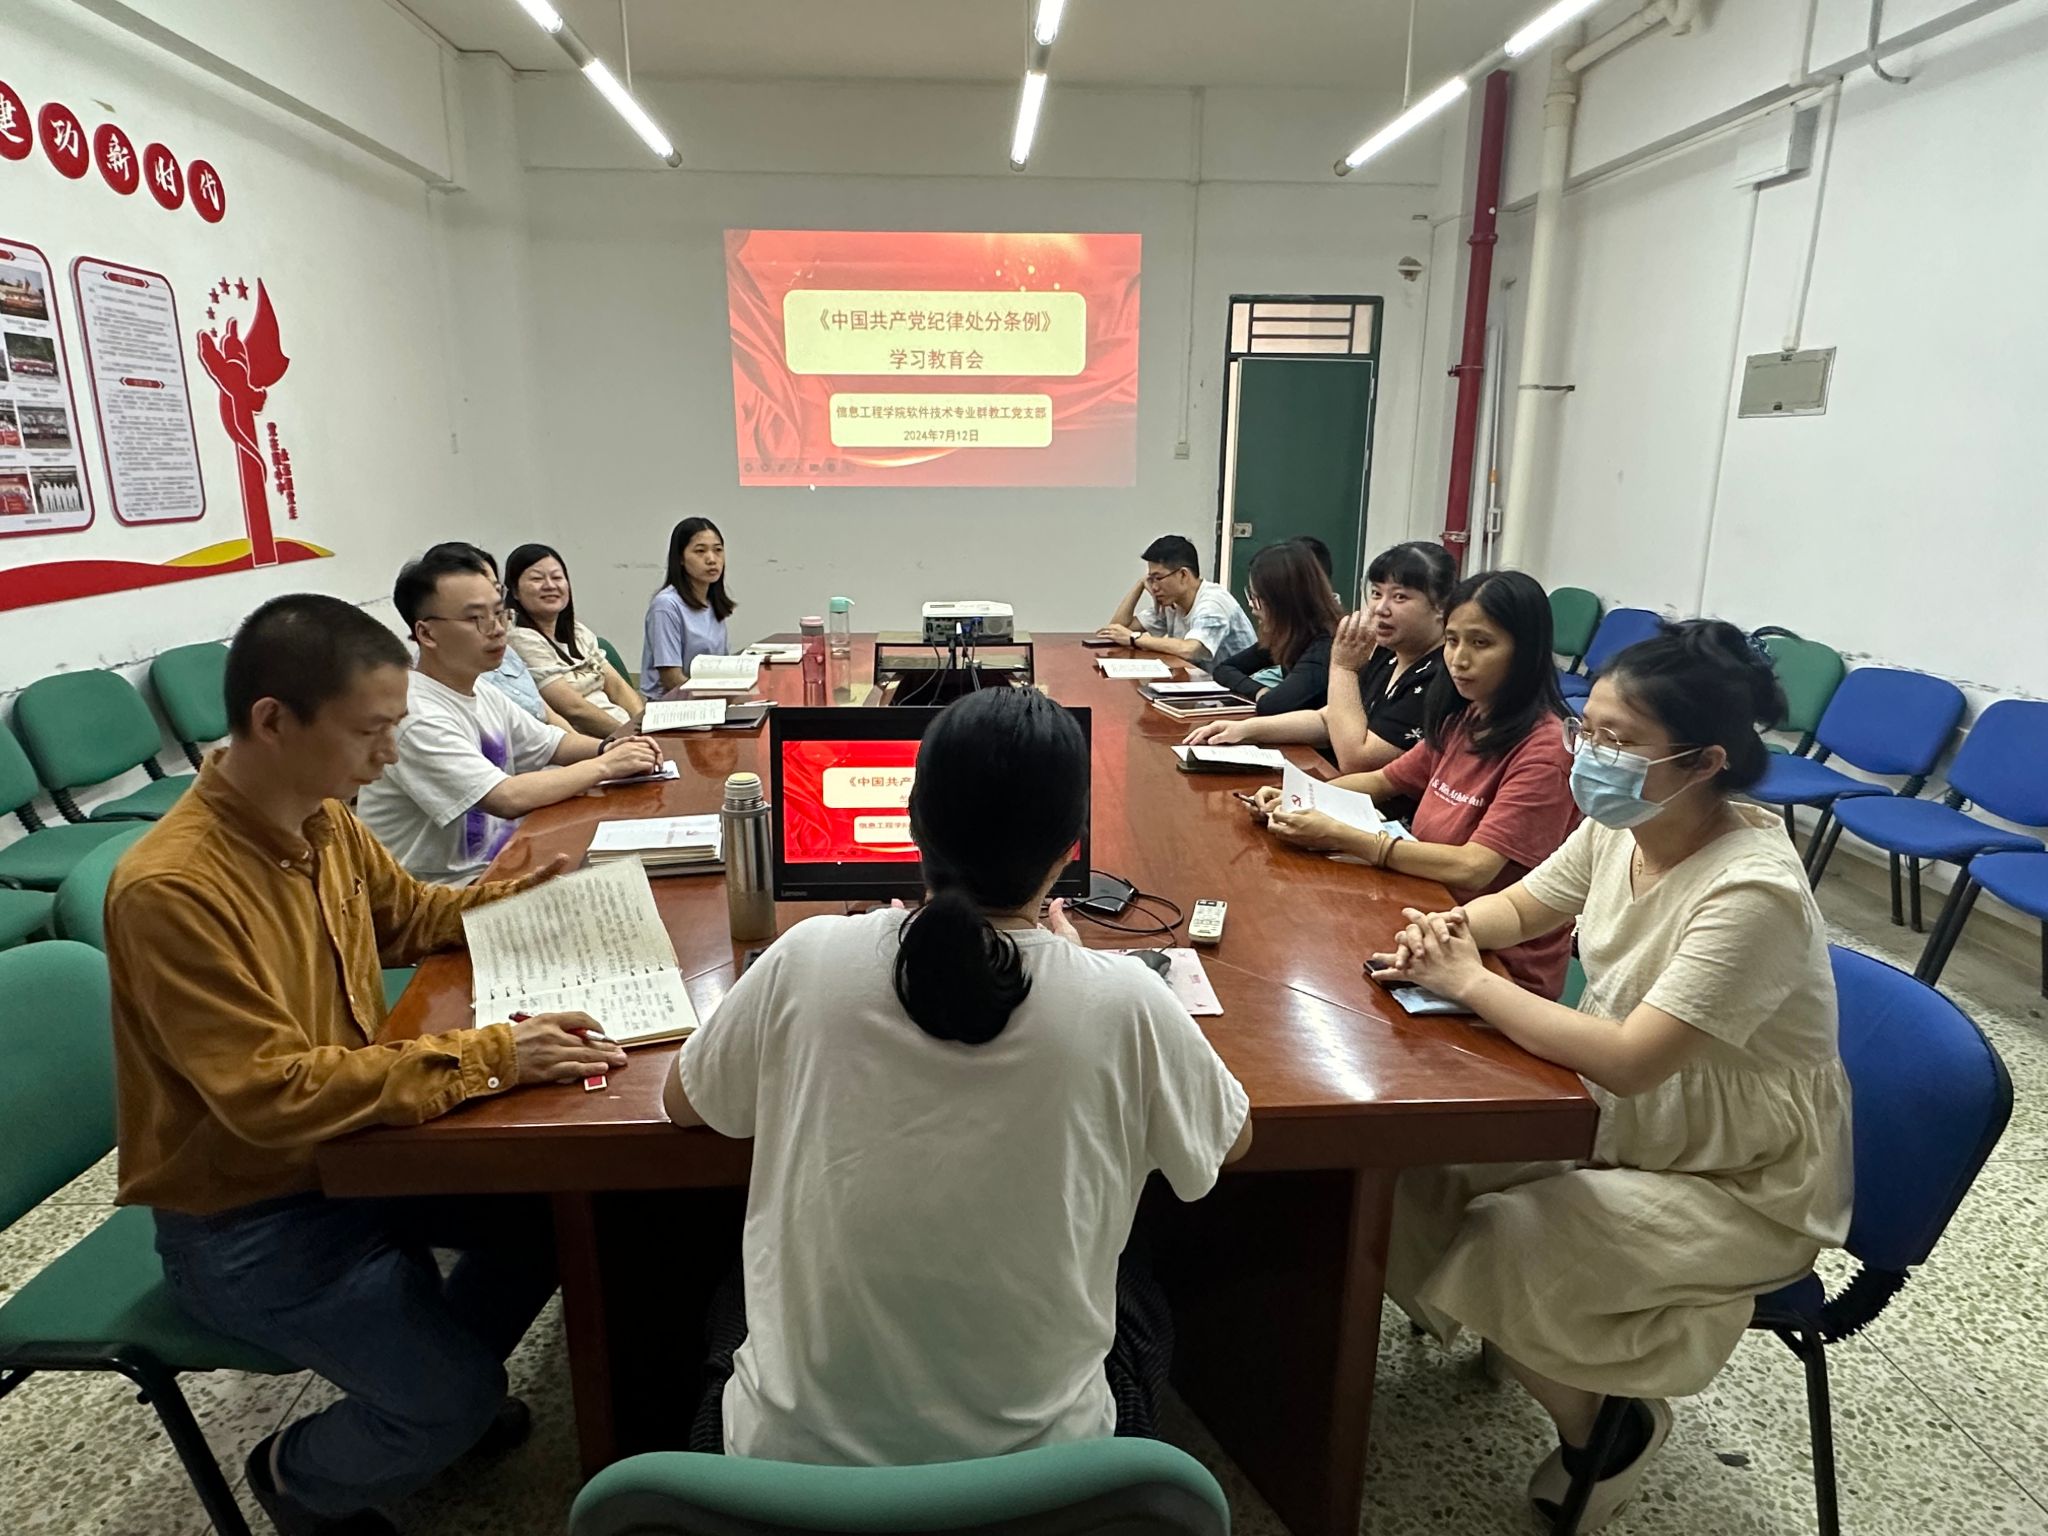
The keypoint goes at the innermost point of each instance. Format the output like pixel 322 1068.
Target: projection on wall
pixel 871 358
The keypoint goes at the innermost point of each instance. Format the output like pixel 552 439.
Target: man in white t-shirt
pixel 1175 613
pixel 470 761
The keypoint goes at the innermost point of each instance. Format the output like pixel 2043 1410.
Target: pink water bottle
pixel 814 661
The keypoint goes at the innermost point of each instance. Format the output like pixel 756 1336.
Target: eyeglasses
pixel 486 624
pixel 1603 746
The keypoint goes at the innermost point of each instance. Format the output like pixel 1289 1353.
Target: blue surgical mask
pixel 1612 792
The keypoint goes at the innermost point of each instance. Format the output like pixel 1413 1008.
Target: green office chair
pixel 611 654
pixel 24 915
pixel 1128 1487
pixel 1809 672
pixel 396 980
pixel 41 860
pixel 102 1305
pixel 84 728
pixel 81 912
pixel 1574 616
pixel 190 683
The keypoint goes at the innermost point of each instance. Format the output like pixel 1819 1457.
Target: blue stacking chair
pixel 1931 1099
pixel 2017 879
pixel 2002 766
pixel 1620 629
pixel 1881 720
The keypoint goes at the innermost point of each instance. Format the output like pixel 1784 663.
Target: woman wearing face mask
pixel 1489 777
pixel 1381 664
pixel 1707 1036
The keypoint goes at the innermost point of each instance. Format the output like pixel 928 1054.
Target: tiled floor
pixel 1941 1411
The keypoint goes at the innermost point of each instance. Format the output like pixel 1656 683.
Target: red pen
pixel 590 1084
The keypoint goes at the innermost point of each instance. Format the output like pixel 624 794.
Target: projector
pixel 968 619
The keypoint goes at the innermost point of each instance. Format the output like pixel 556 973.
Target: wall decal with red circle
pixel 63 139
pixel 17 141
pixel 166 181
pixel 209 196
pixel 114 153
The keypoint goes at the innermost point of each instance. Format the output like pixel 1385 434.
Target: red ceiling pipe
pixel 1471 370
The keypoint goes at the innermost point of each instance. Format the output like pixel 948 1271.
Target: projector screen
pixel 871 358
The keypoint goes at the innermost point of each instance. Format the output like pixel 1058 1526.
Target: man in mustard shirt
pixel 245 935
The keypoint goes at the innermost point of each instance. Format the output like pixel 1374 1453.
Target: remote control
pixel 1206 925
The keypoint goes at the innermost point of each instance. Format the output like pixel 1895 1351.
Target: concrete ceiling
pixel 1359 44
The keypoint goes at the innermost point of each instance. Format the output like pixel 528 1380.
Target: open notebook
pixel 590 942
pixel 723 674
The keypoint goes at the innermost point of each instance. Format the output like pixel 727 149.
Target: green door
pixel 1299 455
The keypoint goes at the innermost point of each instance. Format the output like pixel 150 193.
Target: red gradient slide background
pixel 784 419
pixel 816 833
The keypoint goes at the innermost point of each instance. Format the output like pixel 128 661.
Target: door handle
pixel 1240 530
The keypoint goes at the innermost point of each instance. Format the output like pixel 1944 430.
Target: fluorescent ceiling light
pixel 1421 112
pixel 631 110
pixel 1560 15
pixel 549 18
pixel 1047 27
pixel 1027 117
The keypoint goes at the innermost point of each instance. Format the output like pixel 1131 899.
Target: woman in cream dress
pixel 1706 1035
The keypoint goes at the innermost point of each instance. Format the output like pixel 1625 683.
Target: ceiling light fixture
pixel 550 21
pixel 1047 26
pixel 1027 118
pixel 1559 16
pixel 548 18
pixel 1413 118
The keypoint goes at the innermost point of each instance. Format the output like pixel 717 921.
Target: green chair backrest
pixel 1130 1486
pixel 611 653
pixel 1574 615
pixel 190 684
pixel 57 1093
pixel 84 728
pixel 81 910
pixel 18 782
pixel 1809 672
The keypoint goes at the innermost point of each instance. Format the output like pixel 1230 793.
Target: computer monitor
pixel 839 783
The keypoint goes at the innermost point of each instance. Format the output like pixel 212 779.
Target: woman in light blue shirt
pixel 686 618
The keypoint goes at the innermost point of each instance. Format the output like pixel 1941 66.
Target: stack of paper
pixel 1190 983
pixel 776 653
pixel 1194 688
pixel 591 942
pixel 664 844
pixel 1138 668
pixel 1299 792
pixel 723 674
pixel 1232 760
pixel 683 715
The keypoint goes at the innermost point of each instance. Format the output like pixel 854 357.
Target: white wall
pixel 1905 524
pixel 401 311
pixel 633 382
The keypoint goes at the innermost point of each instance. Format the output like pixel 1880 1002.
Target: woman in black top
pixel 1380 666
pixel 1291 602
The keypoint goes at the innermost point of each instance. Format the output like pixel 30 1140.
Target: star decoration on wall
pixel 241 289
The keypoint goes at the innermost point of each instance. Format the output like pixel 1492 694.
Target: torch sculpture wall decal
pixel 243 368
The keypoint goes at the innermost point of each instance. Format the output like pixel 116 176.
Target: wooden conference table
pixel 1275 1277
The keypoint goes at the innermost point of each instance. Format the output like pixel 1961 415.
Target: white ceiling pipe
pixel 1535 397
pixel 1652 16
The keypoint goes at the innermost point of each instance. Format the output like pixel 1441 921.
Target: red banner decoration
pixel 63 139
pixel 114 153
pixel 243 368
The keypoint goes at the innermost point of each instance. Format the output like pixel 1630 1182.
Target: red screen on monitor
pixel 865 358
pixel 847 802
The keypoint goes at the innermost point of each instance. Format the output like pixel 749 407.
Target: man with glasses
pixel 1173 612
pixel 470 761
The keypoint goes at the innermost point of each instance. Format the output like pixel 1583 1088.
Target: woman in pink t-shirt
pixel 1491 777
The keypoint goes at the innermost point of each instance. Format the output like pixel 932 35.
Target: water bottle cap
pixel 811 621
pixel 841 604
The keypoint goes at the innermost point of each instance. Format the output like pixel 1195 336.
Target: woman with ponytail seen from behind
pixel 1706 1035
pixel 954 1111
